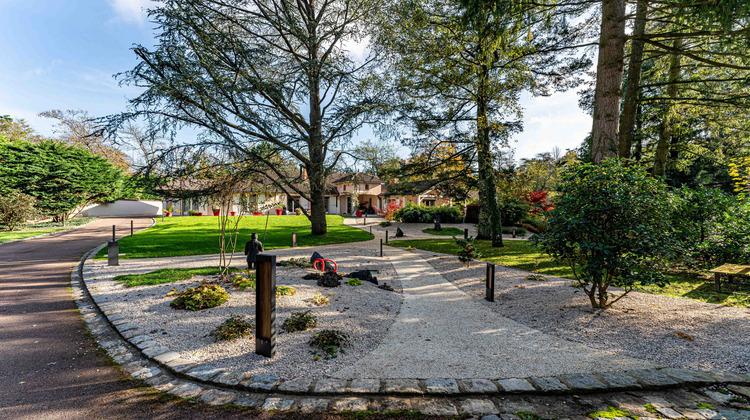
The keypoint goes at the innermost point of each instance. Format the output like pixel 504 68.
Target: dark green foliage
pixel 285 291
pixel 520 231
pixel 711 228
pixel 330 341
pixel 611 224
pixel 242 282
pixel 296 262
pixel 450 231
pixel 412 213
pixel 513 211
pixel 233 328
pixel 15 209
pixel 385 224
pixel 299 321
pixel 201 297
pixel 61 178
pixel 467 250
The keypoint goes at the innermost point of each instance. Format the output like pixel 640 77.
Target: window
pixel 367 187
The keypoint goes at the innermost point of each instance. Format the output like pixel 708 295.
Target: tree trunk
pixel 633 83
pixel 665 131
pixel 490 224
pixel 609 71
pixel 638 153
pixel 316 168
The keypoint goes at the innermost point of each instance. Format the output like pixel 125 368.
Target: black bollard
pixel 113 251
pixel 265 305
pixel 490 285
pixel 370 230
pixel 386 236
pixel 466 233
pixel 381 247
pixel 294 239
pixel 131 228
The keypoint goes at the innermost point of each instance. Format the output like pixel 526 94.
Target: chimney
pixel 303 172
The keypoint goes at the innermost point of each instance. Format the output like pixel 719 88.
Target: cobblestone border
pixel 42 235
pixel 141 356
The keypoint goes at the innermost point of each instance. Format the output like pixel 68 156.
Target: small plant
pixel 172 292
pixel 193 212
pixel 354 282
pixel 16 208
pixel 535 277
pixel 233 328
pixel 285 291
pixel 651 408
pixel 320 300
pixel 201 297
pixel 296 262
pixel 468 251
pixel 169 209
pixel 610 413
pixel 703 406
pixel 385 224
pixel 241 282
pixel 299 321
pixel 329 280
pixel 330 342
pixel 298 211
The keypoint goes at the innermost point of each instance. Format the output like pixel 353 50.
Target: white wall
pixel 125 208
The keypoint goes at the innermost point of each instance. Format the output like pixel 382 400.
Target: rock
pixel 216 397
pixel 350 404
pixel 477 406
pixel 583 382
pixel 549 384
pixel 313 405
pixel 399 233
pixel 618 380
pixel 651 377
pixel 364 386
pixel 331 386
pixel 437 407
pixel 441 386
pixel 402 386
pixel 516 385
pixel 479 386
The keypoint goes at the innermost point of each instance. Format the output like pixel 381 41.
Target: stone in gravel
pixel 402 386
pixel 583 382
pixel 155 351
pixel 669 413
pixel 186 390
pixel 229 378
pixel 479 386
pixel 140 338
pixel 728 376
pixel 619 380
pixel 279 404
pixel 181 365
pixel 204 372
pixel 313 405
pixel 688 375
pixel 166 357
pixel 216 397
pixel 364 386
pixel 441 386
pixel 331 386
pixel 549 384
pixel 146 344
pixel 296 385
pixel 477 406
pixel 350 404
pixel 516 385
pixel 651 377
pixel 131 333
pixel 248 401
pixel 261 381
pixel 126 327
pixel 437 407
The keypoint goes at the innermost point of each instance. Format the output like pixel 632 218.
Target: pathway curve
pixel 442 332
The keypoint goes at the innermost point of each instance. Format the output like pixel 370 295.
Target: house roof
pixel 357 177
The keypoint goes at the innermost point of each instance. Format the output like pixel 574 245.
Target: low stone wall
pixel 125 208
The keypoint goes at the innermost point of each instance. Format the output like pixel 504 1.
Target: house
pixel 345 194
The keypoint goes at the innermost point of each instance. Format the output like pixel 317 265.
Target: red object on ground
pixel 216 212
pixel 257 213
pixel 323 265
pixel 358 213
pixel 169 214
pixel 200 213
pixel 279 211
pixel 232 213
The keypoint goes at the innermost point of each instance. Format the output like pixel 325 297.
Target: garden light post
pixel 466 233
pixel 294 239
pixel 131 228
pixel 113 250
pixel 381 247
pixel 265 306
pixel 386 236
pixel 490 284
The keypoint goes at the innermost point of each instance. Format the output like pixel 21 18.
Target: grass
pixel 40 229
pixel 178 236
pixel 524 256
pixel 451 231
pixel 167 275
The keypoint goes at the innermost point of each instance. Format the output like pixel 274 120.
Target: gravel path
pixel 640 325
pixel 412 230
pixel 443 332
pixel 364 312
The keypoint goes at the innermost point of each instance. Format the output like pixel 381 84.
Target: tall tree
pixel 246 73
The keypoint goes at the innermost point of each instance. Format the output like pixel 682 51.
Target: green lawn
pixel 167 275
pixel 199 235
pixel 451 231
pixel 524 256
pixel 40 229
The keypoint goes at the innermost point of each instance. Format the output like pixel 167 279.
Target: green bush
pixel 520 231
pixel 385 224
pixel 233 328
pixel 296 262
pixel 202 297
pixel 513 210
pixel 468 251
pixel 330 342
pixel 353 282
pixel 299 321
pixel 611 224
pixel 412 213
pixel 15 209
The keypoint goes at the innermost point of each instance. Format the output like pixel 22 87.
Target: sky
pixel 58 54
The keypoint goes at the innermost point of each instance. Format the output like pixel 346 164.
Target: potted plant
pixel 216 211
pixel 298 211
pixel 279 209
pixel 232 213
pixel 168 211
pixel 193 212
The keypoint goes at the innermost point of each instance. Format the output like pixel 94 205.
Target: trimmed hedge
pixel 412 213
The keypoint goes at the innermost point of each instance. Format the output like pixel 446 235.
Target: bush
pixel 512 211
pixel 385 224
pixel 520 231
pixel 468 251
pixel 233 328
pixel 296 262
pixel 330 341
pixel 16 208
pixel 299 321
pixel 243 282
pixel 354 282
pixel 412 213
pixel 611 224
pixel 285 291
pixel 202 297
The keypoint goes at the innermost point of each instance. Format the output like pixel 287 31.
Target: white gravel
pixel 364 312
pixel 641 325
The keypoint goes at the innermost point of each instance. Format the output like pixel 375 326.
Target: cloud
pixel 131 11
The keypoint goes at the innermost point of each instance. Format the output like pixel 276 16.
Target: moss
pixel 651 409
pixel 704 406
pixel 610 413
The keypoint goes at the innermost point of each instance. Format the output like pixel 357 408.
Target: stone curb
pixel 42 235
pixel 144 359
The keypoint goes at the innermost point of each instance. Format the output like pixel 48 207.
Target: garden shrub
pixel 611 224
pixel 330 342
pixel 354 282
pixel 385 224
pixel 520 231
pixel 243 282
pixel 285 291
pixel 412 213
pixel 16 208
pixel 233 328
pixel 512 211
pixel 296 262
pixel 468 251
pixel 299 321
pixel 201 297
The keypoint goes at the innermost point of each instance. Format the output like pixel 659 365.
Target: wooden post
pixel 466 233
pixel 490 284
pixel 265 305
pixel 294 239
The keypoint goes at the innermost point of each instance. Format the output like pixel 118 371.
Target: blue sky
pixel 57 54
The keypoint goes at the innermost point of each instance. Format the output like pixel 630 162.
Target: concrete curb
pixel 57 232
pixel 166 371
